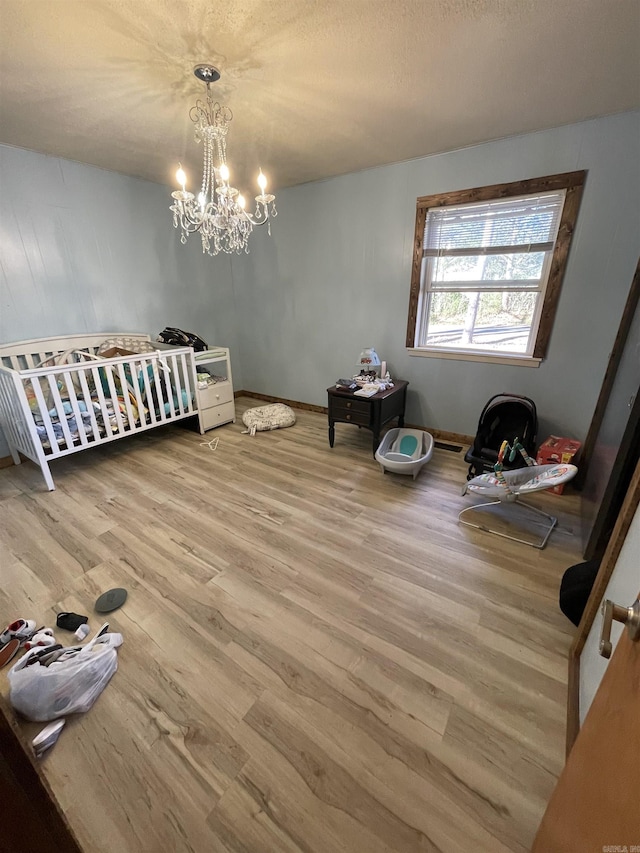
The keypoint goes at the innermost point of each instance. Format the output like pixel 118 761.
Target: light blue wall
pixel 87 250
pixel 334 278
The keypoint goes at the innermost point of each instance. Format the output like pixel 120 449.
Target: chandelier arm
pixel 187 225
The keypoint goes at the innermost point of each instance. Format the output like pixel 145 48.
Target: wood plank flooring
pixel 317 656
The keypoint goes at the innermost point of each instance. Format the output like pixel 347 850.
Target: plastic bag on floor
pixel 69 684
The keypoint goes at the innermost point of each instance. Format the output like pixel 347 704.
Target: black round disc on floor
pixel 111 600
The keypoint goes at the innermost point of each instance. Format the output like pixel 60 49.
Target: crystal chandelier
pixel 218 212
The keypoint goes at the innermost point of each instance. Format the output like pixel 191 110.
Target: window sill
pixel 513 360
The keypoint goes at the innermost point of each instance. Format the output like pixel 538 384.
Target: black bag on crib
pixel 178 338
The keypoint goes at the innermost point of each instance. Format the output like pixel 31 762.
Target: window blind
pixel 526 224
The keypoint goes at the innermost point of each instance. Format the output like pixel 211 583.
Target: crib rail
pixel 27 355
pixel 100 400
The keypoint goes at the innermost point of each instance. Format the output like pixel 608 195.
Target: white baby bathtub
pixel 405 451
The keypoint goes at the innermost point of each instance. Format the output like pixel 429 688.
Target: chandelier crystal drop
pixel 218 212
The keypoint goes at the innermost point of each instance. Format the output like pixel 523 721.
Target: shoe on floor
pixel 42 637
pixel 21 629
pixel 9 651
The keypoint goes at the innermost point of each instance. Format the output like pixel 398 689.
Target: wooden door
pixel 596 803
pixel 31 818
pixel 612 446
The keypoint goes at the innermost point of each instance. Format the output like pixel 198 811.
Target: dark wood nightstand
pixel 370 412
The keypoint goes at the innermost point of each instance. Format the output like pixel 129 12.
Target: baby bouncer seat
pixel 506 487
pixel 505 417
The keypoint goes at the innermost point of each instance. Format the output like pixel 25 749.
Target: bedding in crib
pixel 105 416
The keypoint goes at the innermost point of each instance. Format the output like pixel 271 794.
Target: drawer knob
pixel 348 405
pixel 348 417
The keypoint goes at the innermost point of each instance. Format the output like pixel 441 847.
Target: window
pixel 488 266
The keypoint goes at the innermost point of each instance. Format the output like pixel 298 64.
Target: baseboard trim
pixel 438 434
pixel 444 436
pixel 295 404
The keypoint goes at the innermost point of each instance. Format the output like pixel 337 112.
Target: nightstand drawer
pixel 215 395
pixel 217 415
pixel 352 411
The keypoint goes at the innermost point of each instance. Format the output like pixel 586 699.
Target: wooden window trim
pixel 572 182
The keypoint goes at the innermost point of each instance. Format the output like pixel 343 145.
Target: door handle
pixel 629 616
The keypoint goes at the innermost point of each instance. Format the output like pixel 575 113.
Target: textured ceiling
pixel 317 87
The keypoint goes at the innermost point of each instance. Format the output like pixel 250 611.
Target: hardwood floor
pixel 317 656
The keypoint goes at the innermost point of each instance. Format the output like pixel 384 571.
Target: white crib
pixel 51 410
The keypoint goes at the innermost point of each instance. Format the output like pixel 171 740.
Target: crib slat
pixel 171 381
pixel 147 390
pixel 183 383
pixel 158 387
pixel 59 407
pixel 178 373
pixel 37 388
pixel 114 398
pixel 104 411
pixel 86 393
pixel 125 394
pixel 187 373
pixel 135 375
pixel 184 376
pixel 71 391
